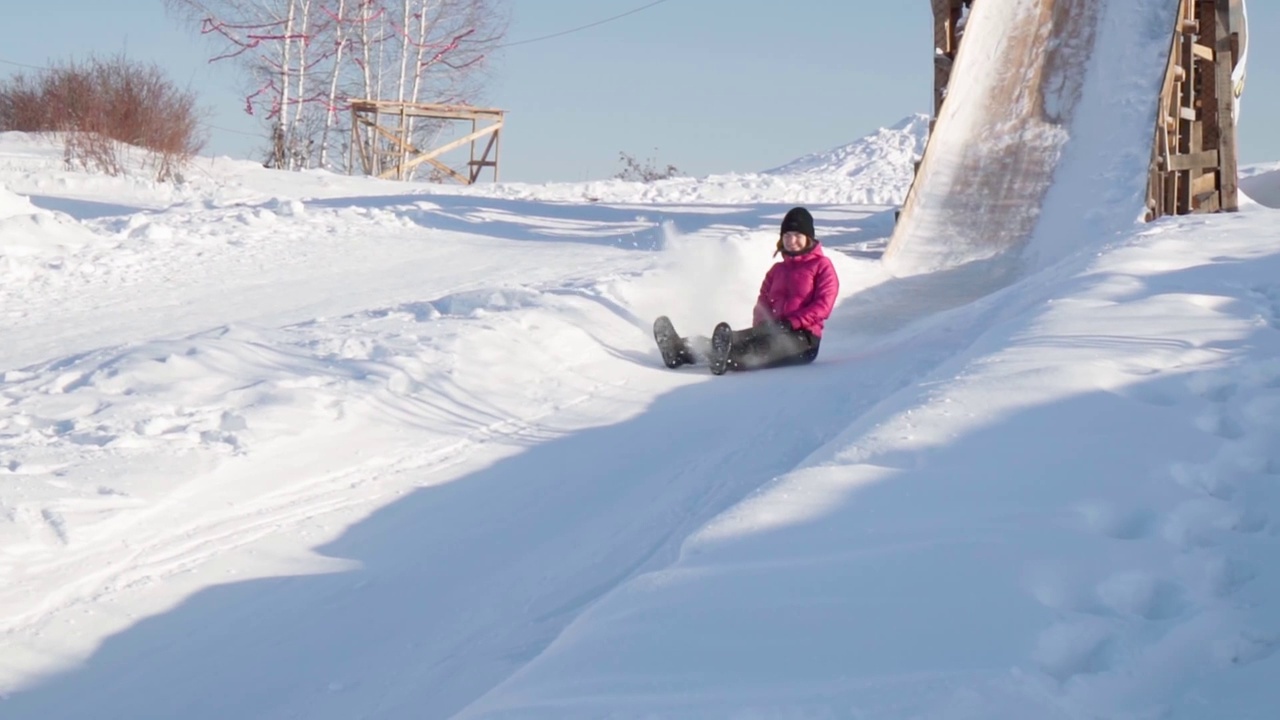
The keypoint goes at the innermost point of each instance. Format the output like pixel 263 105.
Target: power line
pixel 230 130
pixel 562 33
pixel 22 65
pixel 581 28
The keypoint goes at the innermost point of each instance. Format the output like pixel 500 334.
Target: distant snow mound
pixel 1261 183
pixel 883 163
pixel 12 204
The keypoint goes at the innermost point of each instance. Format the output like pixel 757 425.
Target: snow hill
pixel 883 163
pixel 300 445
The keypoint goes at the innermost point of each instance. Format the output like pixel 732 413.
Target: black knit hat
pixel 798 220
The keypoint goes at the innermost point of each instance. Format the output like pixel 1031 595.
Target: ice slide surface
pixel 1047 98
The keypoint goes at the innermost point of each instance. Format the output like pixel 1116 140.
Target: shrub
pixel 646 171
pixel 103 109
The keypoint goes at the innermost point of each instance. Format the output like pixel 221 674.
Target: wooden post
pixel 497 143
pixel 403 159
pixel 1186 106
pixel 355 129
pixel 1226 47
pixel 946 43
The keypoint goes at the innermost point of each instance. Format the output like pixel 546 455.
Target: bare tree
pixel 307 59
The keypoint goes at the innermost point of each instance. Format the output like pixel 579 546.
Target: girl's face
pixel 794 241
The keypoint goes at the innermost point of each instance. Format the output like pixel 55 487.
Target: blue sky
pixel 707 85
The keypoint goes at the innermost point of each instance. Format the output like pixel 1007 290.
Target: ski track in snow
pixel 253 468
pixel 291 417
pixel 1117 470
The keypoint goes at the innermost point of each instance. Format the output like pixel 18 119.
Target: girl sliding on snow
pixel 795 301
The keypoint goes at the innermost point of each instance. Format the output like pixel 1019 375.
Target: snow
pixel 1071 515
pixel 882 163
pixel 1261 184
pixel 303 445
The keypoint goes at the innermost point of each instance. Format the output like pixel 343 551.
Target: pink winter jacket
pixel 800 290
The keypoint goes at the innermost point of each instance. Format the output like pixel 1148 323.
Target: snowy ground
pixel 1261 183
pixel 310 446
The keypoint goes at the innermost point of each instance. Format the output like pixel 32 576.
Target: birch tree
pixel 305 60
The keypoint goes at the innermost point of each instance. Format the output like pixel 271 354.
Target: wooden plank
pixel 398 142
pixel 946 14
pixel 483 162
pixel 444 149
pixel 450 115
pixel 1229 170
pixel 1181 182
pixel 1177 181
pixel 354 142
pixel 395 105
pixel 1195 144
pixel 405 130
pixel 444 107
pixel 366 160
pixel 1202 51
pixel 1205 159
pixel 449 171
pixel 1157 182
pixel 400 145
pixel 1206 183
pixel 443 115
pixel 1188 114
pixel 497 146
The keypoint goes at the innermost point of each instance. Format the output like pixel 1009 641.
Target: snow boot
pixel 721 346
pixel 669 342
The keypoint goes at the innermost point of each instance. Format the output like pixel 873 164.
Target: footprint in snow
pixel 1204 523
pixel 1142 595
pixel 1212 387
pixel 1218 483
pixel 1216 422
pixel 1075 648
pixel 1269 303
pixel 1213 577
pixel 1112 521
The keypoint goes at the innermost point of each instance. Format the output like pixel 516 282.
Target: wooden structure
pixel 381 133
pixel 947 28
pixel 948 16
pixel 1194 165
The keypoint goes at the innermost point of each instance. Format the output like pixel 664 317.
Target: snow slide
pixel 1030 125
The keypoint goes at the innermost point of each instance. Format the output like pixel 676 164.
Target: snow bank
pixel 1261 184
pixel 35 243
pixel 12 204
